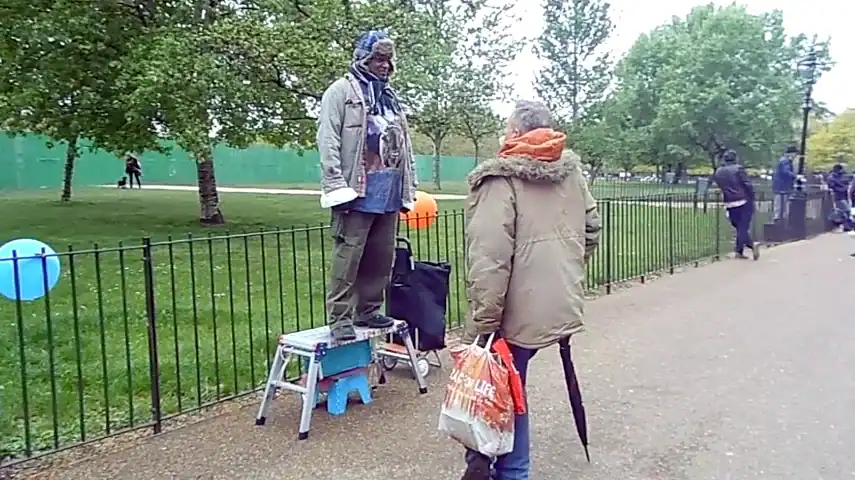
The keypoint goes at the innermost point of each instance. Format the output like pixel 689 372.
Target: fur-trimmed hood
pixel 525 169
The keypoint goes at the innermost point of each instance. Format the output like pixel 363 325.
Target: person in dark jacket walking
pixel 838 182
pixel 133 169
pixel 783 179
pixel 738 196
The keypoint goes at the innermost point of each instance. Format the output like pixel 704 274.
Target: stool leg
pixel 337 397
pixel 364 389
pixel 277 370
pixel 411 352
pixel 309 396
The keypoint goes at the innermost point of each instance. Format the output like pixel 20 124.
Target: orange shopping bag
pixel 478 409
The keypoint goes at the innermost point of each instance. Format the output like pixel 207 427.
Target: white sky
pixel 827 18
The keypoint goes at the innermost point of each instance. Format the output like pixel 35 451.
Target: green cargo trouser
pixel 363 252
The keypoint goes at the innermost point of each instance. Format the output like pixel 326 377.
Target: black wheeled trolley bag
pixel 417 294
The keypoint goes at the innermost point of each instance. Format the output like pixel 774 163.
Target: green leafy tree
pixel 213 73
pixel 128 75
pixel 60 62
pixel 720 78
pixel 477 123
pixel 460 68
pixel 577 71
pixel 238 72
pixel 482 62
pixel 607 139
pixel 832 141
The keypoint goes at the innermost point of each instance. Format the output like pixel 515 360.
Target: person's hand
pixel 482 338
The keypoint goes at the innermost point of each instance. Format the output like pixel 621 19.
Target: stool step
pixel 346 357
pixel 326 383
pixel 339 392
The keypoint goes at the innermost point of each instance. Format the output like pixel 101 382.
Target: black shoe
pixel 343 333
pixel 374 321
pixel 740 256
pixel 478 469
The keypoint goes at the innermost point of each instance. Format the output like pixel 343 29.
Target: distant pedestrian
pixel 738 193
pixel 838 182
pixel 783 182
pixel 133 169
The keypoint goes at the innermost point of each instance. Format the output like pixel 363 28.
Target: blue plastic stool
pixel 340 390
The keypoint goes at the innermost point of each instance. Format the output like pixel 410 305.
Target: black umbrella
pixel 574 393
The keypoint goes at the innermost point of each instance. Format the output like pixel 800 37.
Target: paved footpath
pixel 266 191
pixel 737 370
pixel 295 191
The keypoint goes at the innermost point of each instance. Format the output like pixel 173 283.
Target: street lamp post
pixel 797 221
pixel 808 68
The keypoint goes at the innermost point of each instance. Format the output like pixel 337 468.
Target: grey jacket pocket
pixel 354 114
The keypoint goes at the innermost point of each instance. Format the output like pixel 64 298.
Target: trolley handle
pixel 406 242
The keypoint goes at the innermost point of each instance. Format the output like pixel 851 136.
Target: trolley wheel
pixel 388 363
pixel 423 367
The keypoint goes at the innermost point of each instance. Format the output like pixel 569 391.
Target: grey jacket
pixel 341 135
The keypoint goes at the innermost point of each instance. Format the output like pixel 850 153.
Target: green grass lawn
pixel 221 297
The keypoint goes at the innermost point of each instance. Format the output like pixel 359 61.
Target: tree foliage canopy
pixel 720 78
pixel 833 141
pixel 577 69
pixel 129 74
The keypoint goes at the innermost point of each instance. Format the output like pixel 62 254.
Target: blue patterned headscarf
pixel 376 91
pixel 374 42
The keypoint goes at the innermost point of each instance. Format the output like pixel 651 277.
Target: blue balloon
pixel 34 259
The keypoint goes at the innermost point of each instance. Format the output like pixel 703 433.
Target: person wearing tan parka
pixel 531 225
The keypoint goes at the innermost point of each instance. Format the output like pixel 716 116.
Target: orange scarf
pixel 543 144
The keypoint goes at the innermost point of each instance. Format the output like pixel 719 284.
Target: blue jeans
pixel 740 218
pixel 515 465
pixel 780 204
pixel 842 214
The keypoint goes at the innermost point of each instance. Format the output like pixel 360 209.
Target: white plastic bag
pixel 478 409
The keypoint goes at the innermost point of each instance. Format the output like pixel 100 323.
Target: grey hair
pixel 530 115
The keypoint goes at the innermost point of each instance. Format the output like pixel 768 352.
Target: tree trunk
pixel 209 199
pixel 437 159
pixel 477 151
pixel 679 171
pixel 68 175
pixel 712 162
pixel 594 170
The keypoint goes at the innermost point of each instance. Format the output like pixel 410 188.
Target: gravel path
pixel 438 196
pixel 737 370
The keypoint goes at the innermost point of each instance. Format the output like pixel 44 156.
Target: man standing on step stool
pixel 367 178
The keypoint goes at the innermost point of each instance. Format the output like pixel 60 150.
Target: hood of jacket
pixel 525 168
pixel 537 155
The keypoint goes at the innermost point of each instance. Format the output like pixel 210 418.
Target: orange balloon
pixel 423 214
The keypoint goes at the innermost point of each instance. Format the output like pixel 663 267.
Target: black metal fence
pixel 135 334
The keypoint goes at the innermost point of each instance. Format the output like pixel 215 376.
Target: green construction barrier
pixel 26 162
